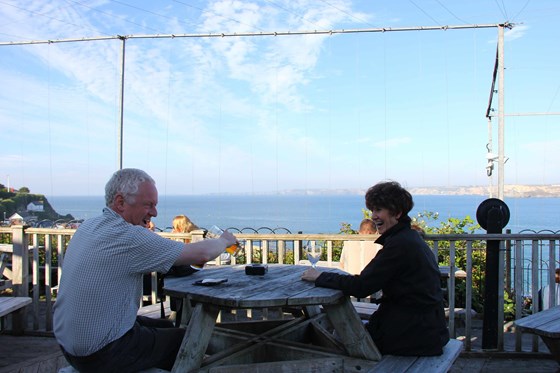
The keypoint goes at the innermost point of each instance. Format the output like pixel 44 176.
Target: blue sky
pixel 269 114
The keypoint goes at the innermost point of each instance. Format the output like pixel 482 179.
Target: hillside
pixel 11 203
pixel 512 191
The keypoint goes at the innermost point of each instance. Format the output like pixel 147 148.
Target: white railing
pixel 526 267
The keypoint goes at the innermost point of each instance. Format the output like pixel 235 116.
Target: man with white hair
pixel 95 314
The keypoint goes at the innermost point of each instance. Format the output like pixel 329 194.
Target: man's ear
pixel 118 203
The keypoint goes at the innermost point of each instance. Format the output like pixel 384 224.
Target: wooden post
pixel 20 273
pixel 20 261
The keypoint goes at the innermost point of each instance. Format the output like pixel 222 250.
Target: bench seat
pixel 545 324
pixel 15 305
pixel 420 364
pixel 11 304
pixel 154 310
pixel 365 309
pixel 70 369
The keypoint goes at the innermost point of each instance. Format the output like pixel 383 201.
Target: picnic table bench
pixel 389 363
pixel 545 324
pixel 411 364
pixel 14 305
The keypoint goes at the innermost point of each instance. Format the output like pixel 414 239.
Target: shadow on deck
pixel 39 352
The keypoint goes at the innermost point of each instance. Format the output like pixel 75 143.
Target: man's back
pixel 101 287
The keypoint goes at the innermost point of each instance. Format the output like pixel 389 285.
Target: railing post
pixel 20 273
pixel 197 235
pixel 508 264
pixel 20 261
pixel 492 215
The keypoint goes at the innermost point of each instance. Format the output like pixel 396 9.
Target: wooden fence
pixel 525 268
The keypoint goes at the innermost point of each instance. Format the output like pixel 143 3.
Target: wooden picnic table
pixel 299 340
pixel 545 324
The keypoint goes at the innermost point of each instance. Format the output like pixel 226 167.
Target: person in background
pixel 182 224
pixel 544 293
pixel 356 254
pixel 410 319
pixel 95 314
pixel 418 228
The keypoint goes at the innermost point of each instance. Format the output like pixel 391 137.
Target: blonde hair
pixel 182 224
pixel 367 226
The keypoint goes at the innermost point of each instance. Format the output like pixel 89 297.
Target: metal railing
pixel 525 268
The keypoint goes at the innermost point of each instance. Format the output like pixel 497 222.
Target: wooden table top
pixel 545 323
pixel 280 286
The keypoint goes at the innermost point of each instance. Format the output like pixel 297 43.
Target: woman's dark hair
pixel 391 196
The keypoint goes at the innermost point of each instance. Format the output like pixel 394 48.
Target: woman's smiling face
pixel 384 219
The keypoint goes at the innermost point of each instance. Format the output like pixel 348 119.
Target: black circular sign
pixel 486 206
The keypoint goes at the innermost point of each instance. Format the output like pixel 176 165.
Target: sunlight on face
pixel 142 206
pixel 384 219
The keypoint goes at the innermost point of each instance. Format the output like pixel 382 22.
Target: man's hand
pixel 310 274
pixel 228 238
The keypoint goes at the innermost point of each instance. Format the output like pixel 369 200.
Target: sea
pixel 316 213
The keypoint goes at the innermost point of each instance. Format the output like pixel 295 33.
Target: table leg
pixel 311 311
pixel 553 345
pixel 186 312
pixel 351 330
pixel 198 334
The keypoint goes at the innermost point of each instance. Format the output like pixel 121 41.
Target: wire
pixel 422 10
pixel 49 117
pixel 348 14
pixel 122 18
pixel 450 12
pixel 168 121
pixel 294 13
pixel 501 8
pixel 217 15
pixel 49 17
pixel 385 101
pixel 174 19
pixel 521 10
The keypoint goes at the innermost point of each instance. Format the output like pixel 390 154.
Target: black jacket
pixel 410 319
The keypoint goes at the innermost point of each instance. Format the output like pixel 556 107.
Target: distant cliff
pixel 512 191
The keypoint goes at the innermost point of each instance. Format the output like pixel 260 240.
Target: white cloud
pixel 282 108
pixel 518 31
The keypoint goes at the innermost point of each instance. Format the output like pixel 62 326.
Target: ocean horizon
pixel 315 213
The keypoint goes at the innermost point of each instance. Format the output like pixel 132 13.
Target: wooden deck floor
pixel 41 354
pixel 30 354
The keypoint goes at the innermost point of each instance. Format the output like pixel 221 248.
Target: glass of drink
pixel 313 253
pixel 216 232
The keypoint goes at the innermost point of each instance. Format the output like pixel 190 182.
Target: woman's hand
pixel 310 274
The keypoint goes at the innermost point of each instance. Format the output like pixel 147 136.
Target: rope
pixel 385 102
pixel 49 116
pixel 169 80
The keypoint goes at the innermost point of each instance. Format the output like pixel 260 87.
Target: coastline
pixel 510 191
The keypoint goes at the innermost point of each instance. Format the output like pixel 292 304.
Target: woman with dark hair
pixel 410 319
